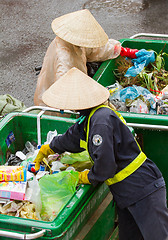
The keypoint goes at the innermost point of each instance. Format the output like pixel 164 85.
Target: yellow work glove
pixel 44 152
pixel 83 177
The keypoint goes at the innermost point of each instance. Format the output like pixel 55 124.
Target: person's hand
pixel 128 52
pixel 44 152
pixel 83 177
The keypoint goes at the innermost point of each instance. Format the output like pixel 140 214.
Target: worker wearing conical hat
pixel 134 180
pixel 79 39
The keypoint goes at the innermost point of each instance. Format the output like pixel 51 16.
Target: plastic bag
pixel 134 92
pixel 10 104
pixel 71 158
pixel 162 107
pixel 79 161
pixel 114 87
pixel 138 106
pixel 50 136
pixel 56 190
pixel 119 105
pixel 33 193
pixel 144 57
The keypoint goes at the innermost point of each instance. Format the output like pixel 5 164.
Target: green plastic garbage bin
pixel 151 130
pixel 84 214
pixel 105 74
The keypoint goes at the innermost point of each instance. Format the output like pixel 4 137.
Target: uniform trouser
pixel 145 220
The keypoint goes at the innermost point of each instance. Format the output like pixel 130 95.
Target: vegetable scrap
pixel 154 77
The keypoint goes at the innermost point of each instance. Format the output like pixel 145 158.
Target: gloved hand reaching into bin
pixel 140 59
pixel 44 152
pixel 128 52
pixel 83 177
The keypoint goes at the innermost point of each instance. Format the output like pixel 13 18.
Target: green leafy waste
pixel 154 77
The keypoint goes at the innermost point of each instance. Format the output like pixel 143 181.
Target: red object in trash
pixel 128 52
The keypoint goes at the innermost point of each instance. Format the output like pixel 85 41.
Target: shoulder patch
pixel 97 140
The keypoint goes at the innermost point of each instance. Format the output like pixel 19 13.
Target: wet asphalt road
pixel 26 33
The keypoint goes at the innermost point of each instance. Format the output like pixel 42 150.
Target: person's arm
pixel 69 141
pixel 111 50
pixel 102 148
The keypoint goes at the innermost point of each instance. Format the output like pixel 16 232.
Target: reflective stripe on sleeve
pixel 127 171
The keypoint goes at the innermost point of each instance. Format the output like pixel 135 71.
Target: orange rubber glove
pixel 83 177
pixel 44 152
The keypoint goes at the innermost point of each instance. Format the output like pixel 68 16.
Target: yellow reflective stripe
pixel 83 144
pixel 137 144
pixel 87 129
pixel 119 115
pixel 133 166
pixel 127 171
pixel 94 110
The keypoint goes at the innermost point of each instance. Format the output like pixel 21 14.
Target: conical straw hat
pixel 75 91
pixel 80 28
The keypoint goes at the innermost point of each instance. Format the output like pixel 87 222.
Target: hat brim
pixel 75 91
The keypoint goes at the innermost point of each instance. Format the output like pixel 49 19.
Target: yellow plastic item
pixel 12 173
pixel 46 163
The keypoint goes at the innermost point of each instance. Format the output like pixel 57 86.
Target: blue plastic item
pixel 133 92
pixel 144 57
pixel 31 168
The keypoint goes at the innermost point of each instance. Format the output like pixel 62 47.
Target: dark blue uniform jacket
pixel 117 149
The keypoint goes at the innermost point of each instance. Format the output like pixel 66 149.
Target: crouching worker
pixel 79 39
pixel 135 182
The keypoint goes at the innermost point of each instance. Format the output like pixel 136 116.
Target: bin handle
pixel 148 126
pixel 43 109
pixel 22 236
pixel 154 35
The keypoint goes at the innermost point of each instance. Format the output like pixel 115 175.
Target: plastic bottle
pixel 50 136
pixel 31 155
pixel 29 147
pixel 56 166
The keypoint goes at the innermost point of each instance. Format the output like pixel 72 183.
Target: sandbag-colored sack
pixel 10 104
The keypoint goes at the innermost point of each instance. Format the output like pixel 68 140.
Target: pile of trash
pixel 141 88
pixel 39 195
pixel 138 99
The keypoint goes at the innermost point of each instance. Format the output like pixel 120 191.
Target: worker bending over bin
pixel 79 39
pixel 135 182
